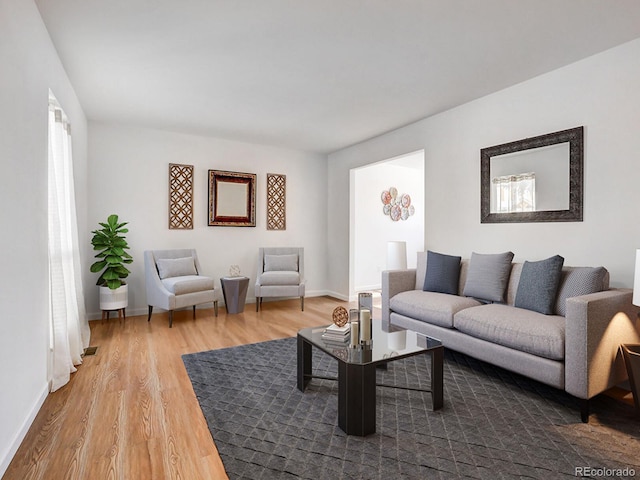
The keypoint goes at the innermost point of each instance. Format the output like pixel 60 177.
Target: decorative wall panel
pixel 180 197
pixel 276 202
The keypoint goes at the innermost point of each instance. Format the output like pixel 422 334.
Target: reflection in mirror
pixel 538 179
pixel 231 199
pixel 531 180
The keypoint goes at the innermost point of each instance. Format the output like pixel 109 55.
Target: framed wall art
pixel 276 202
pixel 232 199
pixel 180 197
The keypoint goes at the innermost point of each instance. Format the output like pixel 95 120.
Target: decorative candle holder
pixel 355 334
pixel 365 326
pixel 365 301
pixel 366 354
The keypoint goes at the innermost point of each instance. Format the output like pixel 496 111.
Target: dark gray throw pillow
pixel 487 276
pixel 443 273
pixel 575 281
pixel 538 285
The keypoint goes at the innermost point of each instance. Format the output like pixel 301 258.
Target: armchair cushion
pixel 279 278
pixel 176 267
pixel 188 284
pixel 281 263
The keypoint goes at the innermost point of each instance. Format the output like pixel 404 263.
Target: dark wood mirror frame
pixel 576 150
pixel 243 213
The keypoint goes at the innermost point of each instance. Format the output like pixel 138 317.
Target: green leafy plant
pixel 112 246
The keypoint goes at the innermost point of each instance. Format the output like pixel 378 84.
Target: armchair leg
pixel 257 304
pixel 170 318
pixel 194 312
pixel 150 310
pixel 302 303
pixel 215 307
pixel 584 410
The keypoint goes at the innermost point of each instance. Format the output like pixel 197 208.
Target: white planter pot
pixel 114 299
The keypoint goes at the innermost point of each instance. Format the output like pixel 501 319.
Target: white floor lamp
pixel 396 255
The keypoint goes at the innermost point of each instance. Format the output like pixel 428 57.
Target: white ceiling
pixel 314 75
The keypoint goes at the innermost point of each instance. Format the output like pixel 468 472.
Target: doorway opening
pixel 377 218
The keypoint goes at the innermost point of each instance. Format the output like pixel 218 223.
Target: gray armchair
pixel 173 281
pixel 280 274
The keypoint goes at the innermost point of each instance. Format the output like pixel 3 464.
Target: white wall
pixel 600 92
pixel 128 176
pixel 29 67
pixel 371 229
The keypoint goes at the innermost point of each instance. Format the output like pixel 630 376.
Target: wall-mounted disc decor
pixel 180 197
pixel 398 207
pixel 276 202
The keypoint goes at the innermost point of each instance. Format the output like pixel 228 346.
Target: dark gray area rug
pixel 494 424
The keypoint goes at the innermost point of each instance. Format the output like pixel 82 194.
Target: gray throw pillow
pixel 576 281
pixel 538 285
pixel 487 276
pixel 281 263
pixel 176 267
pixel 443 273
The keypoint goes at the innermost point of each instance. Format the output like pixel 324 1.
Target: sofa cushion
pixel 421 270
pixel 517 328
pixel 281 263
pixel 538 285
pixel 279 278
pixel 176 267
pixel 575 281
pixel 443 273
pixel 188 284
pixel 488 275
pixel 512 285
pixel 430 307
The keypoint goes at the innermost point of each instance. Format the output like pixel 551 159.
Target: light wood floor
pixel 129 412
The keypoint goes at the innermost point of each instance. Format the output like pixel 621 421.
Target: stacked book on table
pixel 334 333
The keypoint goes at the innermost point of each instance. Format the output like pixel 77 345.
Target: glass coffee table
pixel 357 370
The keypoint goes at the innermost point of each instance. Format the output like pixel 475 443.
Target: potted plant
pixel 112 256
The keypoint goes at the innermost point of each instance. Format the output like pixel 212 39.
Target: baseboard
pixel 339 296
pixel 8 455
pixel 368 288
pixel 133 312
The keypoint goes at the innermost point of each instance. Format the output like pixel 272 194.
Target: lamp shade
pixel 636 281
pixel 396 256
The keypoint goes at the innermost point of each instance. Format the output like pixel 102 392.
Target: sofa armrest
pixel 596 325
pixel 394 282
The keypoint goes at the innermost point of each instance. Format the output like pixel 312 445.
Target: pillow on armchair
pixel 176 267
pixel 281 263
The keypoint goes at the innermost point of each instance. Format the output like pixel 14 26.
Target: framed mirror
pixel 538 179
pixel 232 199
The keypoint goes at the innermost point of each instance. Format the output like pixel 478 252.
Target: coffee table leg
pixel 437 383
pixel 357 398
pixel 304 363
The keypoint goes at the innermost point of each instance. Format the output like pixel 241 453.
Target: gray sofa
pixel 575 349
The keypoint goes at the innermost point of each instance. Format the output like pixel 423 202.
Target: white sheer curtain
pixel 69 325
pixel 514 193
